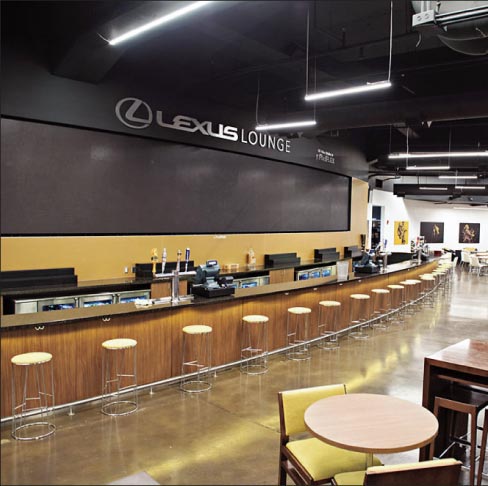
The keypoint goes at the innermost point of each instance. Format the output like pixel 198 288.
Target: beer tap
pixel 187 258
pixel 163 260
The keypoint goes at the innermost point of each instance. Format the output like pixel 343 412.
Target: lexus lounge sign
pixel 137 114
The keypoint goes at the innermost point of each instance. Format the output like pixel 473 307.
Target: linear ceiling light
pixel 157 22
pixel 428 167
pixel 432 188
pixel 346 91
pixel 470 208
pixel 435 155
pixel 359 89
pixel 470 187
pixel 305 123
pixel 458 177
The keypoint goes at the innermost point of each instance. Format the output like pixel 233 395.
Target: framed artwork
pixel 432 232
pixel 469 232
pixel 401 233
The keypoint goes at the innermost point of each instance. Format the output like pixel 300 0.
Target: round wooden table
pixel 369 423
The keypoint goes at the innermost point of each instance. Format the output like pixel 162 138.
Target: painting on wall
pixel 469 232
pixel 433 232
pixel 401 233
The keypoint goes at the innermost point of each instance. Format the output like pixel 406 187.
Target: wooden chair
pixel 309 460
pixel 443 472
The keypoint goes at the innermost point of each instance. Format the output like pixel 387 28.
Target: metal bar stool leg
pixel 359 316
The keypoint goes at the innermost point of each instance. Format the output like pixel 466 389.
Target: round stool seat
pixel 380 291
pixel 197 329
pixel 299 310
pixel 408 282
pixel 427 277
pixel 395 286
pixel 31 358
pixel 329 303
pixel 360 296
pixel 119 343
pixel 413 281
pixel 255 319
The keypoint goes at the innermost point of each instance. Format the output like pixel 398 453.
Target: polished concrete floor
pixel 230 434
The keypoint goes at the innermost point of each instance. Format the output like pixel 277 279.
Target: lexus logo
pixel 126 110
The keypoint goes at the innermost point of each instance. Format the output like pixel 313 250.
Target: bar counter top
pixel 79 314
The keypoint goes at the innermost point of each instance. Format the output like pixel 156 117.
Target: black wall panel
pixel 61 180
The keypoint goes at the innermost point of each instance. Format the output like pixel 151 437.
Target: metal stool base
pixel 112 408
pixel 254 369
pixel 195 386
pixel 330 341
pixel 51 428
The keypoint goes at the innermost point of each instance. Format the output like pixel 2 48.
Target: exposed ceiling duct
pixel 462 26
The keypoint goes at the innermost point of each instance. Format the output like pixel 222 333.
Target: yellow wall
pixel 103 257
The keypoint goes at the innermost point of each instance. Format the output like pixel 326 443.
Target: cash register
pixel 207 282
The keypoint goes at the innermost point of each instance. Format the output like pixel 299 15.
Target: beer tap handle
pixel 163 260
pixel 187 258
pixel 178 261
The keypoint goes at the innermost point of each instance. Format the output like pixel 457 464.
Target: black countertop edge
pixel 134 283
pixel 68 316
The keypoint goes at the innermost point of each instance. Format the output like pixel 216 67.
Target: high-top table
pixel 465 362
pixel 370 423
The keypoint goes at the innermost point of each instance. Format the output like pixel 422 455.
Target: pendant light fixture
pixel 289 124
pixel 361 88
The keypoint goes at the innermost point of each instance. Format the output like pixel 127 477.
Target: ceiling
pixel 228 49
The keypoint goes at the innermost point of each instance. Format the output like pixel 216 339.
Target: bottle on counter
pixel 251 258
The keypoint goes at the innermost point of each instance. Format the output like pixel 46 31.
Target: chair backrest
pixel 465 256
pixel 473 260
pixel 293 403
pixel 443 472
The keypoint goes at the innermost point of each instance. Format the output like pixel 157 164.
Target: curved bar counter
pixel 74 336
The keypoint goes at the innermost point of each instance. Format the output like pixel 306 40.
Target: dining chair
pixel 309 460
pixel 476 266
pixel 443 472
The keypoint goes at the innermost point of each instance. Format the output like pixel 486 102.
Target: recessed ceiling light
pixel 458 177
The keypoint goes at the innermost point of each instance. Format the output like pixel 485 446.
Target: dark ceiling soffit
pixel 430 190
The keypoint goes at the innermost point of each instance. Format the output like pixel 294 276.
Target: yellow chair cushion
pixel 355 478
pixel 295 402
pixel 323 461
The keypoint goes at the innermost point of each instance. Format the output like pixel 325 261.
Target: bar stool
pixel 196 358
pixel 397 301
pixel 467 401
pixel 359 315
pixel 428 284
pixel 254 344
pixel 298 332
pixel 409 295
pixel 119 376
pixel 29 416
pixel 380 306
pixel 328 323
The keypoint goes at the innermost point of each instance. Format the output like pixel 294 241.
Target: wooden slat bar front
pixel 74 336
